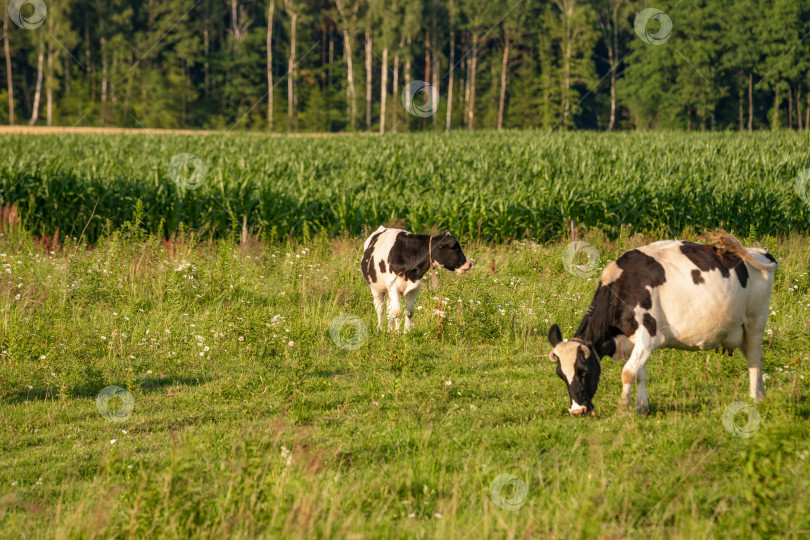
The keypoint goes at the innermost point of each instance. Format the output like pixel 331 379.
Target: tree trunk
pixel 742 97
pixel 103 71
pixel 112 81
pixel 799 107
pixel 324 45
pixel 473 67
pixel 566 72
pixel 291 74
pixel 435 69
pixel 790 107
pixel 38 91
pixel 613 68
pixel 368 79
pixel 270 11
pixel 750 102
pixel 383 89
pixel 775 121
pixel 207 49
pixel 395 93
pixel 9 78
pixel 49 87
pixel 502 98
pixel 331 60
pixel 408 96
pixel 351 92
pixel 466 88
pixel 448 120
pixel 427 56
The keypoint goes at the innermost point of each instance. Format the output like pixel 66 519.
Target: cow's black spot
pixel 367 262
pixel 649 323
pixel 697 277
pixel 382 266
pixel 769 257
pixel 409 256
pixel 707 258
pixel 742 273
pixel 612 310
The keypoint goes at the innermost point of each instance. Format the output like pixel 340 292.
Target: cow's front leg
pixel 642 404
pixel 379 305
pixel 410 301
pixel 634 370
pixel 394 309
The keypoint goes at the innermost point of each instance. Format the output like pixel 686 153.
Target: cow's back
pixel 708 301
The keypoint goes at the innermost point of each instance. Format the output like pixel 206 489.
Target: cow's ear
pixel 554 335
pixel 446 240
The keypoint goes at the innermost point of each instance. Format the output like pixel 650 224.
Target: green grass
pixel 250 422
pixel 486 185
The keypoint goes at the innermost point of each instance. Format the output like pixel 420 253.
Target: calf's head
pixel 446 253
pixel 579 367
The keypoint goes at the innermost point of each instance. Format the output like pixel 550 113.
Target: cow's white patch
pixel 576 408
pixel 611 273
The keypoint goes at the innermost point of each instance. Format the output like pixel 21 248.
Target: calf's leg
pixel 410 300
pixel 379 305
pixel 394 309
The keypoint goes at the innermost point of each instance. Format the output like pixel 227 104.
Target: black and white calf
pixel 672 294
pixel 394 262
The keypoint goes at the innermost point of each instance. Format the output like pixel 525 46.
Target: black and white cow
pixel 394 262
pixel 672 294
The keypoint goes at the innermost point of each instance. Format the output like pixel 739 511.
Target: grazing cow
pixel 672 294
pixel 394 262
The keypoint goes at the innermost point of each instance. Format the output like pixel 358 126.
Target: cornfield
pixel 485 185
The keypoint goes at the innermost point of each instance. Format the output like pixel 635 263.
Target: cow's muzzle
pixel 464 267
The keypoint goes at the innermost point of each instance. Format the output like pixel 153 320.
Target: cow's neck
pixel 597 327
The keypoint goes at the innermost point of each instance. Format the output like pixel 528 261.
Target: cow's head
pixel 447 254
pixel 579 367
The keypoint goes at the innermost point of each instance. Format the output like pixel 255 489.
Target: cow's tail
pixel 726 243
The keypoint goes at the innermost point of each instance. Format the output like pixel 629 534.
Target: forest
pixel 362 65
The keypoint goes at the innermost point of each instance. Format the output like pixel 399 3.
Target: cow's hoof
pixel 582 411
pixel 642 409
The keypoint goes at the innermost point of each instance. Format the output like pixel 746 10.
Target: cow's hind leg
pixel 752 349
pixel 379 305
pixel 410 300
pixel 634 369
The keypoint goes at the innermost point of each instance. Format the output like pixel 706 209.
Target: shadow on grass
pixel 85 390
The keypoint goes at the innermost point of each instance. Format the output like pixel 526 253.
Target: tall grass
pixel 487 185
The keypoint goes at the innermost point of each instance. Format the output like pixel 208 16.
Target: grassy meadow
pixel 172 363
pixel 249 421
